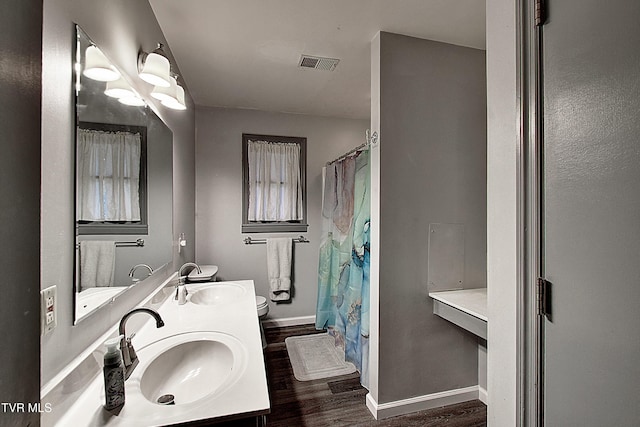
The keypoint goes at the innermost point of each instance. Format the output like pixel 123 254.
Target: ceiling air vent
pixel 318 63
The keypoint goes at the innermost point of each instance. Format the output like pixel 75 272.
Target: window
pixel 273 184
pixel 111 179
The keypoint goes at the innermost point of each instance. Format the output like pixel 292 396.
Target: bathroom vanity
pixel 208 357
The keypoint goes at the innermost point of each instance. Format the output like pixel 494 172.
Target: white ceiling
pixel 245 53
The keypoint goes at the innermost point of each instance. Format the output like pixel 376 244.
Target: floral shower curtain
pixel 343 271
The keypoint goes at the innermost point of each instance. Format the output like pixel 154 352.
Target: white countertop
pixel 470 301
pixel 92 298
pixel 248 396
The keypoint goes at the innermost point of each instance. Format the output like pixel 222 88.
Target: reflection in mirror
pixel 123 183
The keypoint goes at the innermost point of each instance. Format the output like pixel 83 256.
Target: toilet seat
pixel 261 302
pixel 262 306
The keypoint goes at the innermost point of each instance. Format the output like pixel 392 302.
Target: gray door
pixel 591 212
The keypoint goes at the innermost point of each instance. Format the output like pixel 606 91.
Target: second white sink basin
pixel 217 294
pixel 190 367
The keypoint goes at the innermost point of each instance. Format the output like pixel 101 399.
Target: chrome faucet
pixel 181 277
pixel 135 267
pixel 129 356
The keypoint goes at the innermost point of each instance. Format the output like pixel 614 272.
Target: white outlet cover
pixel 48 309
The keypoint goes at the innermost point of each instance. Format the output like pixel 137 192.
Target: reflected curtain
pixel 108 176
pixel 343 270
pixel 275 188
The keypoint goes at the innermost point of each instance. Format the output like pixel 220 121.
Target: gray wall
pixel 20 50
pixel 219 195
pixel 121 28
pixel 432 170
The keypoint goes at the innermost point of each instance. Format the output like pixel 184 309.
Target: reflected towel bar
pixel 250 241
pixel 139 242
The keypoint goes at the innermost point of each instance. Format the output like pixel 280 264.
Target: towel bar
pixel 139 242
pixel 250 241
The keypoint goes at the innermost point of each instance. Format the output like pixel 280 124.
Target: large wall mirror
pixel 123 179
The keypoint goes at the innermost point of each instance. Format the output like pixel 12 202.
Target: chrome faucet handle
pixel 133 357
pixel 181 293
pixel 124 349
pixel 178 289
pixel 181 282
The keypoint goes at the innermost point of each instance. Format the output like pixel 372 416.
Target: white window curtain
pixel 275 191
pixel 108 176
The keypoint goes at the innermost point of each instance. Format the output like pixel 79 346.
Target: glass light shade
pixel 178 103
pixel 156 70
pixel 119 89
pixel 167 94
pixel 133 101
pixel 98 67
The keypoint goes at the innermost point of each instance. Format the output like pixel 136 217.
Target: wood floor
pixel 339 401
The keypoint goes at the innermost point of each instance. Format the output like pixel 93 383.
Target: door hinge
pixel 540 12
pixel 542 295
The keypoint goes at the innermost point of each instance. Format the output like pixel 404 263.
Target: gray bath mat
pixel 316 356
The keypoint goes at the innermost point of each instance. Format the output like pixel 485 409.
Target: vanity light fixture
pixel 98 67
pixel 178 103
pixel 119 89
pixel 154 67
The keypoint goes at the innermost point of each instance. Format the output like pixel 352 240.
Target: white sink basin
pixel 191 367
pixel 217 294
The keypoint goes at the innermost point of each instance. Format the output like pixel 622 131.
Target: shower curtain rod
pixel 371 139
pixel 350 152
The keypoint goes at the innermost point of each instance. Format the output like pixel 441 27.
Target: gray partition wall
pixel 432 169
pixel 20 85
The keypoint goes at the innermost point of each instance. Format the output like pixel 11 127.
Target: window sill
pixel 102 229
pixel 274 228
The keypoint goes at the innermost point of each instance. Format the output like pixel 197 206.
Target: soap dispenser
pixel 113 375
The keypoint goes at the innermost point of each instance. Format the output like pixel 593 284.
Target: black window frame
pixel 273 226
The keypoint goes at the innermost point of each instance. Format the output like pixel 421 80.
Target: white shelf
pixel 466 308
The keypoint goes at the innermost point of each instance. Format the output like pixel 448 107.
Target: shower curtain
pixel 343 271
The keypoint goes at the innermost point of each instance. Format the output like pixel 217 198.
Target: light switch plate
pixel 48 309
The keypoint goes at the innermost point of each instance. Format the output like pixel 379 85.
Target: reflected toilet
pixel 262 307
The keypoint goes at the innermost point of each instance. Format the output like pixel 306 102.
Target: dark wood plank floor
pixel 339 401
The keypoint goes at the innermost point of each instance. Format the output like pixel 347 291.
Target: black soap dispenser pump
pixel 113 375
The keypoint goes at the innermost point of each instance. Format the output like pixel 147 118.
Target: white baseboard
pixel 482 395
pixel 421 403
pixel 288 321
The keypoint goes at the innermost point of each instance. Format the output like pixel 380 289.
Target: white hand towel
pixel 279 268
pixel 97 263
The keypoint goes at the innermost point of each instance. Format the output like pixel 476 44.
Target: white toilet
pixel 262 306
